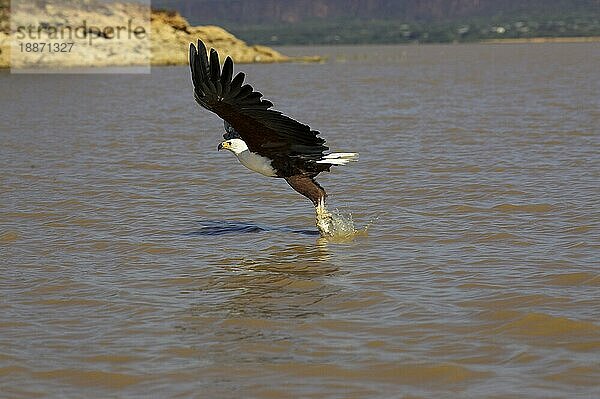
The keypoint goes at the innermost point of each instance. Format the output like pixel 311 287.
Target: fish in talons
pixel 324 219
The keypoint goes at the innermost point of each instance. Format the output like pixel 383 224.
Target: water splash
pixel 336 225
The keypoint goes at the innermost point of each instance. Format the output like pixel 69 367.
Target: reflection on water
pixel 221 227
pixel 137 261
pixel 284 282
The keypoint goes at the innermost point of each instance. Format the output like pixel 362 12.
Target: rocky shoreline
pixel 168 40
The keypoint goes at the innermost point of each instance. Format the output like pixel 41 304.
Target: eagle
pixel 264 140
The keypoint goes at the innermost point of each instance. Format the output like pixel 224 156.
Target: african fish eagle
pixel 263 139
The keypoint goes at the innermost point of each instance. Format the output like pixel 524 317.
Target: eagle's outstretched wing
pixel 266 131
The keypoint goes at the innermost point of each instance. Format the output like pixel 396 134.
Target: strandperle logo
pixel 84 36
pixel 81 31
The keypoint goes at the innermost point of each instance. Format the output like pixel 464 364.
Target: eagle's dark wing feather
pixel 266 131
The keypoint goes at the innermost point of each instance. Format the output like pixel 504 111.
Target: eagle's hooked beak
pixel 222 145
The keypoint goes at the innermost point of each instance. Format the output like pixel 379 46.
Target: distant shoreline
pixel 534 40
pixel 578 39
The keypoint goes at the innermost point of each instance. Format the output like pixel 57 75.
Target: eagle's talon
pixel 324 219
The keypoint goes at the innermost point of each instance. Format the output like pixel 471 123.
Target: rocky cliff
pixel 171 37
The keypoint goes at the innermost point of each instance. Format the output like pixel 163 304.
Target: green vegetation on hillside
pixel 275 22
pixel 355 31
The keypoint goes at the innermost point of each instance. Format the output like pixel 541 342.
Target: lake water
pixel 137 261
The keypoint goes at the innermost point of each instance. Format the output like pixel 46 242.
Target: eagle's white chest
pixel 256 163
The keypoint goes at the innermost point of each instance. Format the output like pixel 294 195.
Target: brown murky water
pixel 137 261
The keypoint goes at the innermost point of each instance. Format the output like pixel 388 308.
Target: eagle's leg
pixel 324 219
pixel 307 186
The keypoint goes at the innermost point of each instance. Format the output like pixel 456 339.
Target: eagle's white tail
pixel 339 158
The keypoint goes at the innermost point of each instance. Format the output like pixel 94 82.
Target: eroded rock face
pixel 171 40
pixel 4 50
pixel 170 37
pixel 4 32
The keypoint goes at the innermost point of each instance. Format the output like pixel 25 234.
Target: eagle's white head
pixel 234 145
